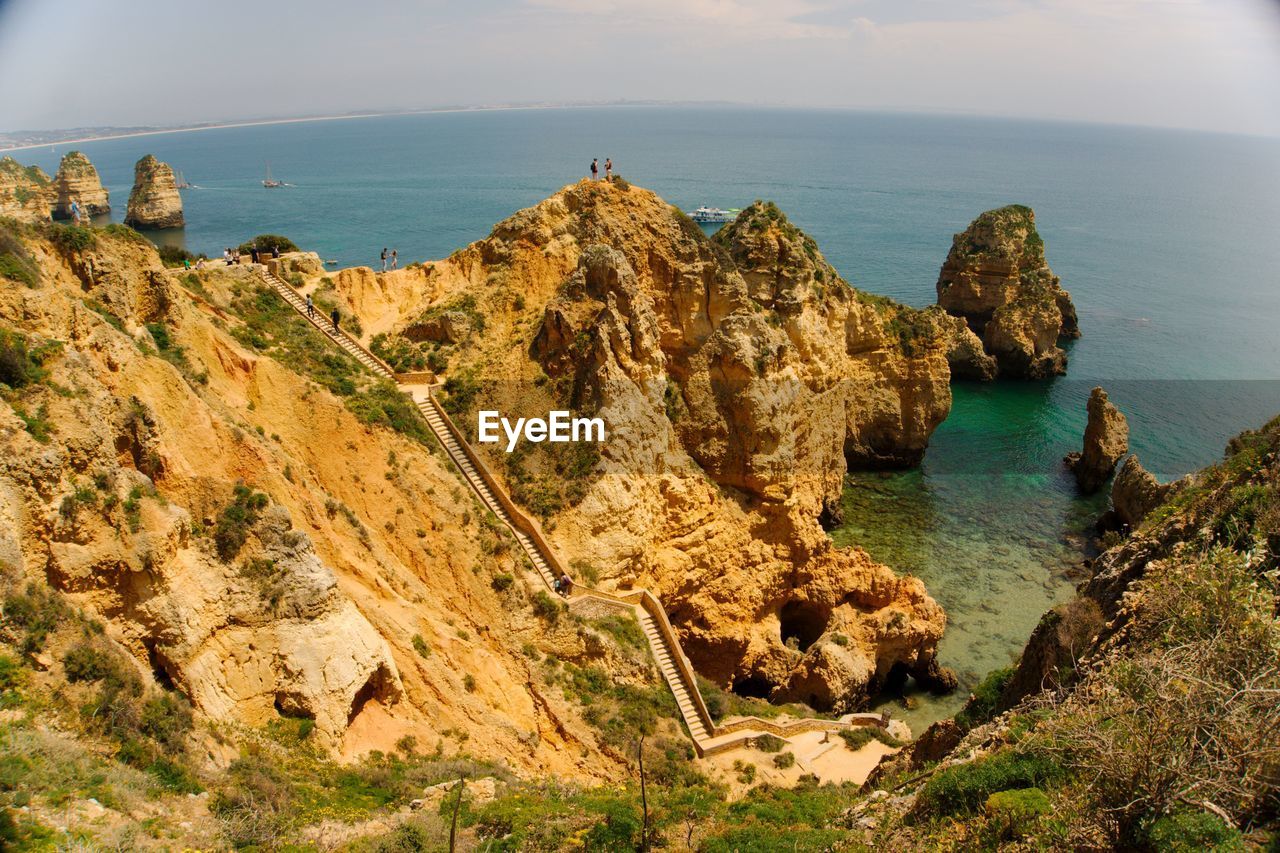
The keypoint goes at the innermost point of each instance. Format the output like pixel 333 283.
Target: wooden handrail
pixel 636 598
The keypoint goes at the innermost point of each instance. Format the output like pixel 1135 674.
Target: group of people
pixel 394 257
pixel 563 585
pixel 608 168
pixel 232 256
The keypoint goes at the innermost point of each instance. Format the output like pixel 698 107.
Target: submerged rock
pixel 997 280
pixel 77 182
pixel 154 201
pixel 26 192
pixel 1106 440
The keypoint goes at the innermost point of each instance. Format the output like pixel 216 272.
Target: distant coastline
pixel 132 133
pixel 255 123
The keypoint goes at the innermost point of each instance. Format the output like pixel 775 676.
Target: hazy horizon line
pixel 132 131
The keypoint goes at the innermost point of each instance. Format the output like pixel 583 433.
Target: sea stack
pixel 77 182
pixel 996 279
pixel 1106 440
pixel 26 192
pixel 154 201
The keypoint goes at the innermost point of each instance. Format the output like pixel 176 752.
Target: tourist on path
pixel 275 252
pixel 394 258
pixel 566 585
pixel 334 317
pixel 608 168
pixel 311 306
pixel 595 168
pixel 384 258
pixel 253 253
pixel 75 212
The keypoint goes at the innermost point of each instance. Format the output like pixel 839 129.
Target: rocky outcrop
pixel 1106 441
pixel 77 182
pixel 996 279
pixel 154 201
pixel 366 604
pixel 26 192
pixel 1135 492
pixel 740 377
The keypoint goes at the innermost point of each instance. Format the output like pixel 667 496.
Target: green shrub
pixel 69 238
pixel 86 663
pixel 986 699
pixel 176 256
pixel 174 777
pixel 420 646
pixel 783 760
pixel 236 519
pixel 383 404
pixel 403 355
pixel 769 743
pixel 36 611
pixel 37 423
pixel 20 364
pixel 502 582
pixel 964 788
pixel 546 607
pixel 1193 831
pixel 265 242
pixel 859 736
pixel 1012 814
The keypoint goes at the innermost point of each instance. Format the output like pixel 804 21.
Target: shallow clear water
pixel 1166 240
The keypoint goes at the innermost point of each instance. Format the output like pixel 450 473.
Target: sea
pixel 1169 242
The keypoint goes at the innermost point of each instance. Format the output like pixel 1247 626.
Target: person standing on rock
pixel 608 168
pixel 311 306
pixel 384 258
pixel 334 318
pixel 395 258
pixel 595 168
pixel 253 253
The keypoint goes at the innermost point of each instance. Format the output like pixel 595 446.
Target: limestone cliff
pixel 179 461
pixel 1135 492
pixel 1106 441
pixel 154 201
pixel 739 377
pixel 77 182
pixel 996 278
pixel 26 193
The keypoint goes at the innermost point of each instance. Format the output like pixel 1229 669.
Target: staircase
pixel 664 644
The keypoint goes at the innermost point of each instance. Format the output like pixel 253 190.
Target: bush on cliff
pixel 265 243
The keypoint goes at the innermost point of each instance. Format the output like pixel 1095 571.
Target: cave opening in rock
pixel 753 687
pixel 159 666
pixel 377 687
pixel 802 623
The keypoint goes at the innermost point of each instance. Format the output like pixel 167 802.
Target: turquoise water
pixel 1166 240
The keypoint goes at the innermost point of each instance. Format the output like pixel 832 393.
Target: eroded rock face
pixel 1106 440
pixel 26 192
pixel 154 201
pixel 996 279
pixel 740 377
pixel 77 182
pixel 1135 492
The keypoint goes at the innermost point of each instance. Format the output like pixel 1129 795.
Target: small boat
pixel 269 183
pixel 181 182
pixel 714 215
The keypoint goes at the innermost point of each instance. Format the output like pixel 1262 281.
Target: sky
pixel 1203 64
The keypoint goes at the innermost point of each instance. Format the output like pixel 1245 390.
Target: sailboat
pixel 181 182
pixel 269 183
